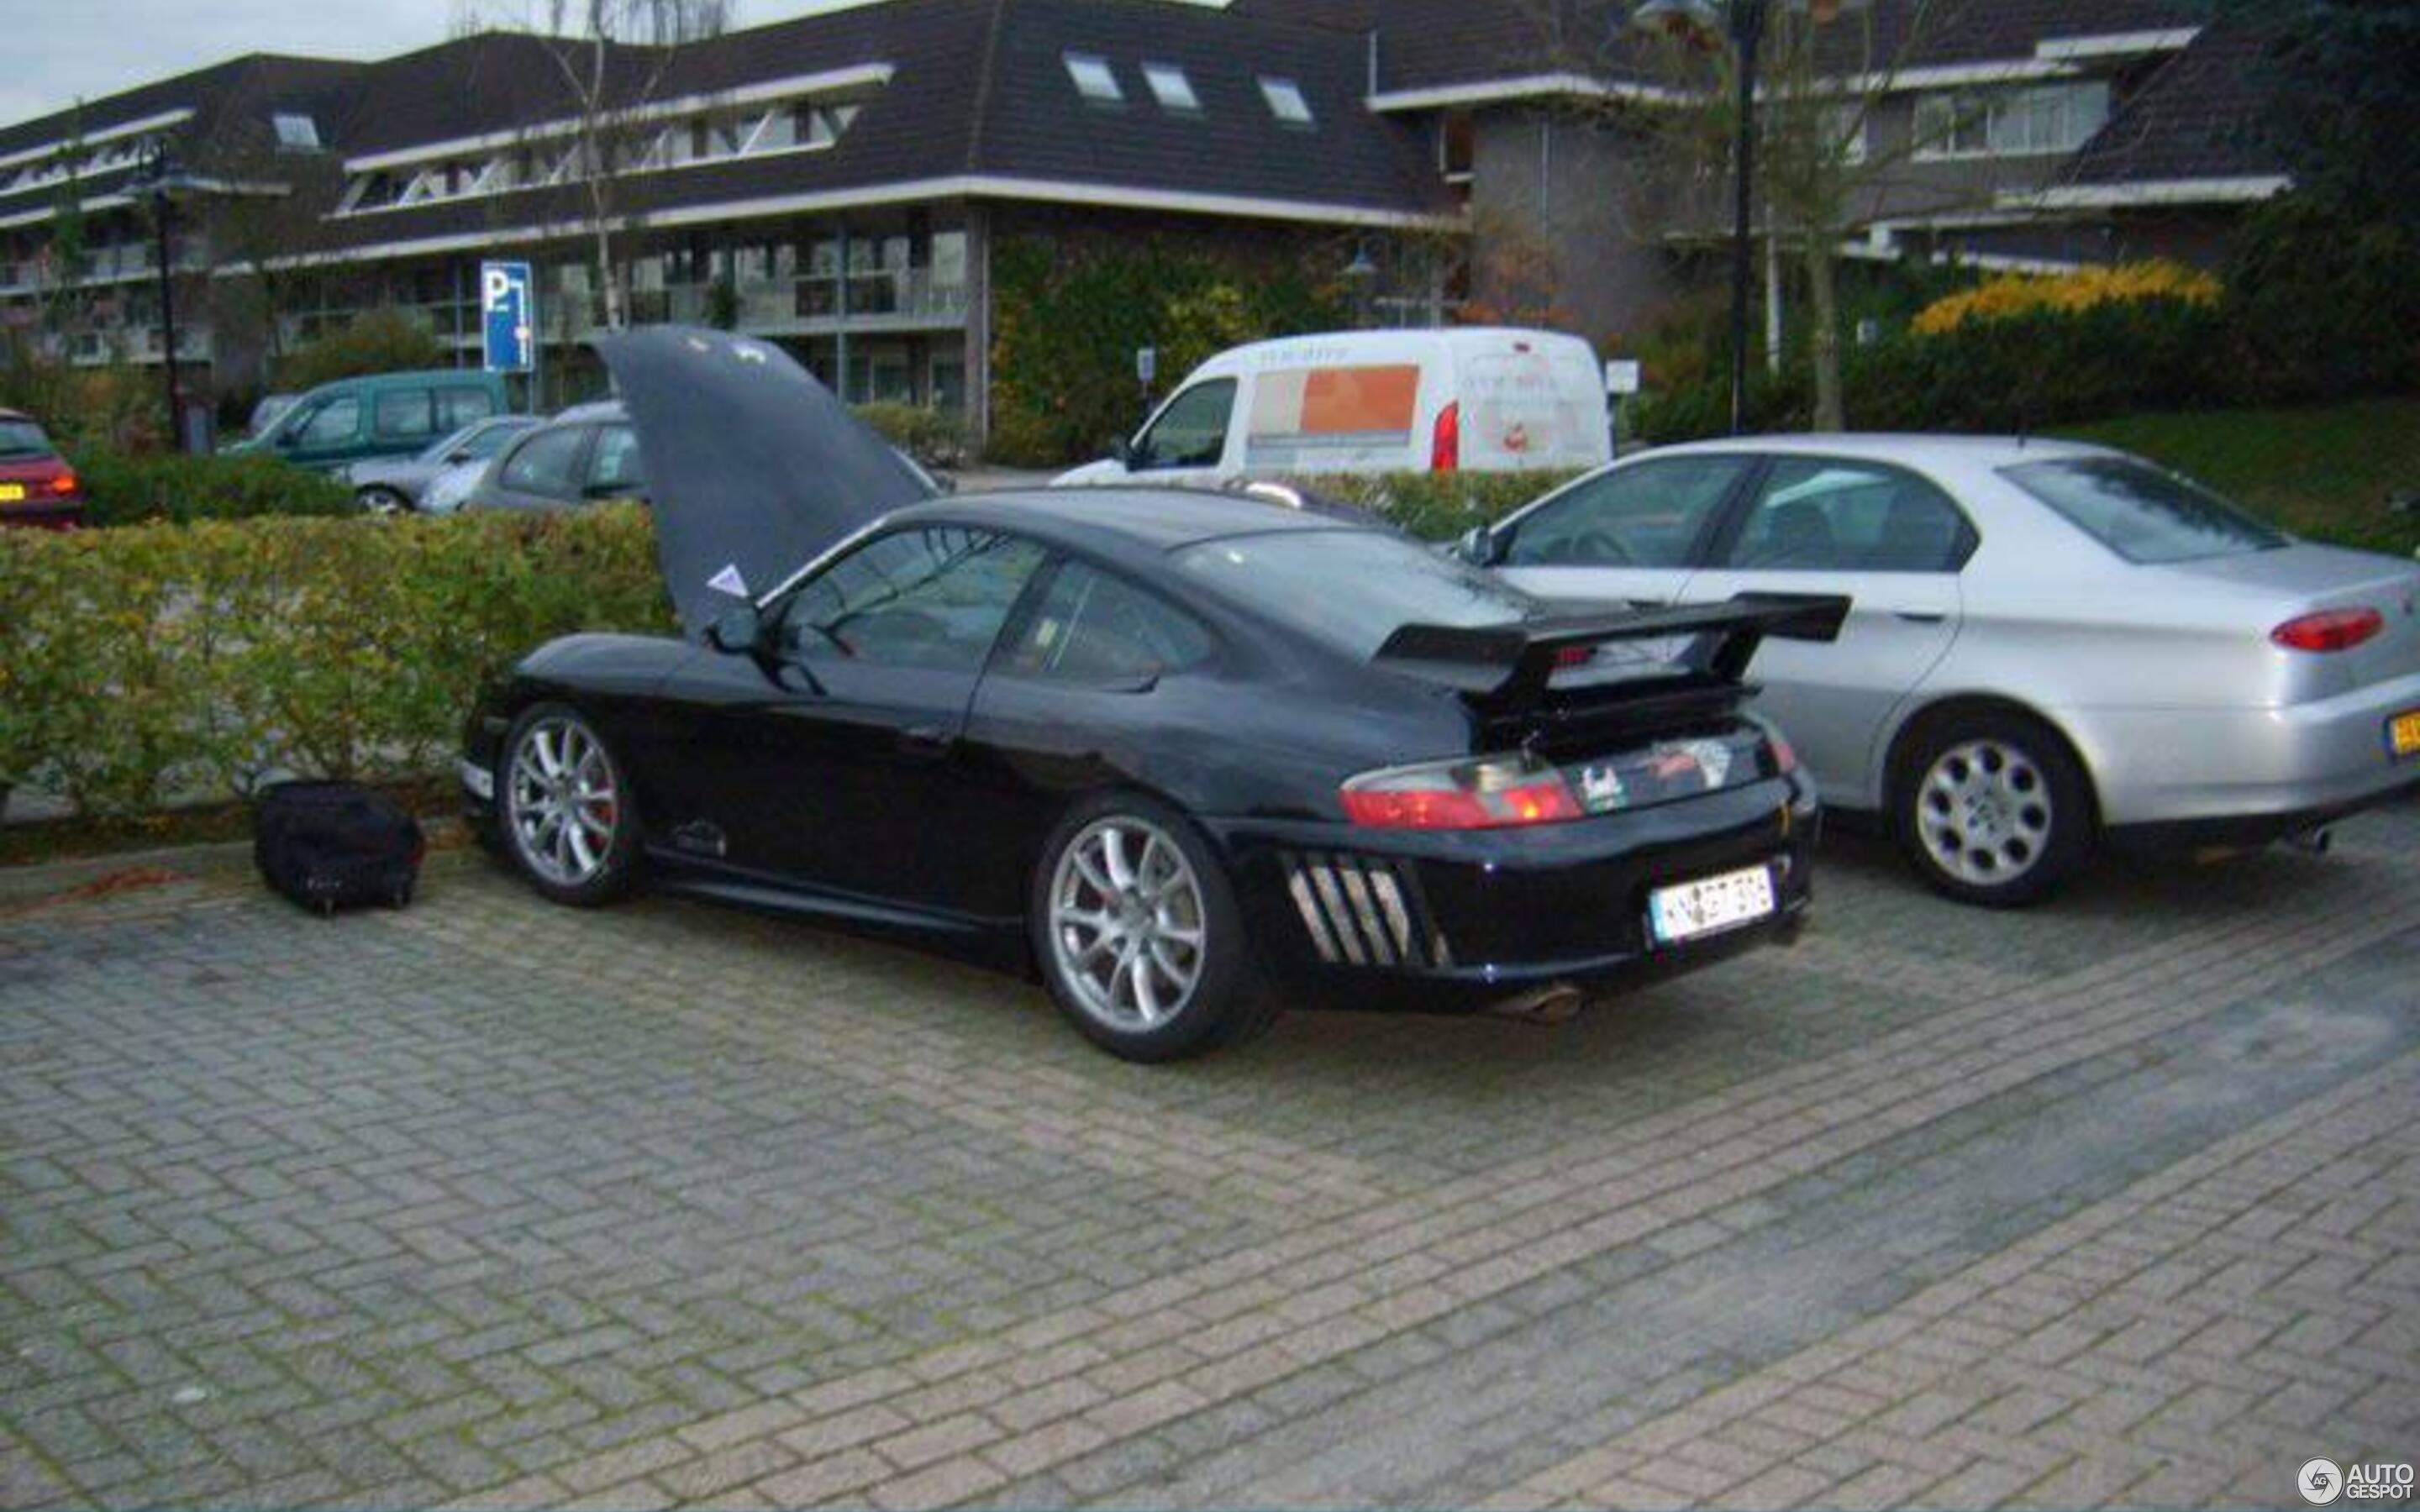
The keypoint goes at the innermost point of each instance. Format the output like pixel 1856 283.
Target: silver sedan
pixel 2052 644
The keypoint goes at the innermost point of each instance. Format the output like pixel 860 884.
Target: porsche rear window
pixel 1353 589
pixel 2142 514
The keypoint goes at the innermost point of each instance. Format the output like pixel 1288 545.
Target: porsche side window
pixel 933 599
pixel 1092 627
pixel 1816 515
pixel 1192 431
pixel 1649 515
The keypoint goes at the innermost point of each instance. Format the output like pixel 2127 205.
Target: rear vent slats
pixel 1364 911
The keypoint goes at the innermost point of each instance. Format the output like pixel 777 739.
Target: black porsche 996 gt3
pixel 1188 756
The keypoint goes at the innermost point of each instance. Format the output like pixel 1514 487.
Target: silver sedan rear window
pixel 2140 512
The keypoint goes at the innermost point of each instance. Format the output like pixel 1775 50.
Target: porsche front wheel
pixel 565 809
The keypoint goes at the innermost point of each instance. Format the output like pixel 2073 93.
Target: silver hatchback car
pixel 2051 644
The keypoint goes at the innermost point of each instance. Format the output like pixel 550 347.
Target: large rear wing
pixel 1504 669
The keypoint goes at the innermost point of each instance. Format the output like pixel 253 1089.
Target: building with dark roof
pixel 837 182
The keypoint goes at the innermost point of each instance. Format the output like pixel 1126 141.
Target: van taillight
pixel 1445 451
pixel 2335 629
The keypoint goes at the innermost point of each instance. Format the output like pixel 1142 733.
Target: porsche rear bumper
pixel 1425 920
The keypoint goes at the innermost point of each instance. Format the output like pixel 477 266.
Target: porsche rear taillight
pixel 1445 446
pixel 1490 793
pixel 2334 629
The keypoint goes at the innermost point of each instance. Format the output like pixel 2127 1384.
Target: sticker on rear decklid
pixel 1669 770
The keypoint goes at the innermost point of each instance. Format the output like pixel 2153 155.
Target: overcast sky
pixel 61 51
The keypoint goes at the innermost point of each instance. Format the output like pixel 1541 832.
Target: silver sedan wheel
pixel 1985 813
pixel 561 804
pixel 1127 924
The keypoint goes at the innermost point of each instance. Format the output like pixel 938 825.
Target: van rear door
pixel 1528 402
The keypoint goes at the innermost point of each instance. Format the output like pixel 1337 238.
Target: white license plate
pixel 1710 905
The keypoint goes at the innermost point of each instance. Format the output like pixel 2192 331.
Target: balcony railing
pixel 770 307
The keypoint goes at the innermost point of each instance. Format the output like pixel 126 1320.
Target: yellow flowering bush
pixel 2020 294
pixel 162 661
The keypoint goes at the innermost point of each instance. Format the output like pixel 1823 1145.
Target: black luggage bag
pixel 331 845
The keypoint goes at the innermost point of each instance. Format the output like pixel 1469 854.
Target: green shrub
pixel 132 491
pixel 932 437
pixel 1070 316
pixel 2321 308
pixel 1439 506
pixel 161 661
pixel 375 341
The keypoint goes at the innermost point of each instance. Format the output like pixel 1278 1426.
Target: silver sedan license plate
pixel 1711 904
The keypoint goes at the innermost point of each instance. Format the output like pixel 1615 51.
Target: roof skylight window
pixel 1171 89
pixel 1286 102
pixel 1094 79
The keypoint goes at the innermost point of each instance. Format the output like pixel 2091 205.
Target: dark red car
pixel 37 487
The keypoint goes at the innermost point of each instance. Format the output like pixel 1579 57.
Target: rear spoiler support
pixel 1504 669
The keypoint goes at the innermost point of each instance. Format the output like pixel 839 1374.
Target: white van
pixel 1472 399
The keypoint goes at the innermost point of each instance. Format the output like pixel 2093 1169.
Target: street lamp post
pixel 1361 277
pixel 164 180
pixel 1744 20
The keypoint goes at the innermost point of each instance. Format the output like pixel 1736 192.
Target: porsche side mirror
pixel 1480 547
pixel 740 631
pixel 1122 451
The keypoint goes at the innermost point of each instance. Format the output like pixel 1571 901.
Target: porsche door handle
pixel 929 742
pixel 1916 616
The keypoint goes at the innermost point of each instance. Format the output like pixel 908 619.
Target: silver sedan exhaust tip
pixel 1559 1004
pixel 2314 842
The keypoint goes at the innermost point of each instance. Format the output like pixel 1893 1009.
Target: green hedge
pixel 167 661
pixel 1439 506
pixel 122 489
pixel 934 437
pixel 2316 307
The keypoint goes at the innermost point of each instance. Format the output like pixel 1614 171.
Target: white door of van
pixel 1187 441
pixel 1633 534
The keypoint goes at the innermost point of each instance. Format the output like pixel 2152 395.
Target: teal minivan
pixel 387 414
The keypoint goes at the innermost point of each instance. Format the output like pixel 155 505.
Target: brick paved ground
pixel 2114 1201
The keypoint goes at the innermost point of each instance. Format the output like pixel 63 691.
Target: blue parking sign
pixel 508 316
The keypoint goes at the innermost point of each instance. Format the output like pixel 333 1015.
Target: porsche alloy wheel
pixel 1127 929
pixel 565 814
pixel 1137 934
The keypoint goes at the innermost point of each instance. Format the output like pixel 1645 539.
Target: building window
pixel 1171 89
pixel 1094 79
pixel 2041 121
pixel 1286 102
pixel 1457 146
pixel 295 132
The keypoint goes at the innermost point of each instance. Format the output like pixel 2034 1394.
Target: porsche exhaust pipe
pixel 1558 1004
pixel 2313 842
